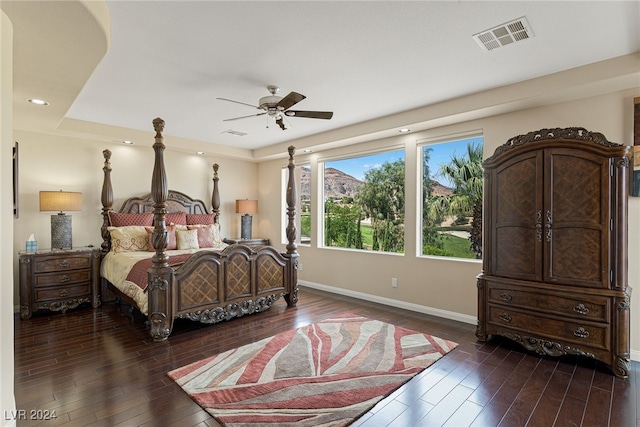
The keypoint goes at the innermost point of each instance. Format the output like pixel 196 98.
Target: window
pixel 303 204
pixel 451 184
pixel 304 182
pixel 364 202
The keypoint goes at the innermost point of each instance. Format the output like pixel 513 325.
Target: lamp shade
pixel 60 201
pixel 246 206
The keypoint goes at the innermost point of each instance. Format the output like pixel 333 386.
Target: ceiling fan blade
pixel 310 114
pixel 290 100
pixel 244 117
pixel 238 102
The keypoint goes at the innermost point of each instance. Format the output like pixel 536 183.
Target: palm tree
pixel 466 174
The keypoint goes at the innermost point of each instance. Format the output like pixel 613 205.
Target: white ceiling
pixel 363 60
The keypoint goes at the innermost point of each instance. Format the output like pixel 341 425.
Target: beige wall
pixel 49 162
pixel 7 399
pixel 443 286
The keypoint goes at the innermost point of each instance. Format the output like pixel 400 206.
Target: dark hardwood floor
pixel 99 368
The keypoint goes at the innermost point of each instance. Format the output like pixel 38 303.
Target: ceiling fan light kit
pixel 277 107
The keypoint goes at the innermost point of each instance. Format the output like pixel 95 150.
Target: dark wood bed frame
pixel 211 286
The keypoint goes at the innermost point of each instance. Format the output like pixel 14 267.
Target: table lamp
pixel 246 207
pixel 60 223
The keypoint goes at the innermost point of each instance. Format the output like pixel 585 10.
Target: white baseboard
pixel 451 315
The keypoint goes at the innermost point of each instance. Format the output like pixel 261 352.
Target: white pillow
pixel 187 239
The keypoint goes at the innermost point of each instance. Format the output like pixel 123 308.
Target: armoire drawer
pixel 589 307
pixel 536 324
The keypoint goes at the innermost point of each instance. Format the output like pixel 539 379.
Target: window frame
pixel 320 199
pixel 420 145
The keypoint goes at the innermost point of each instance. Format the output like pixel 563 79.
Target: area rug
pixel 325 374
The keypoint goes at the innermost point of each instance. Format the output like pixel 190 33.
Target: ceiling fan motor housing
pixel 269 102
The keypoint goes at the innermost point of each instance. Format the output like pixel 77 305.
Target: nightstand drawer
pixel 61 292
pixel 58 263
pixel 57 279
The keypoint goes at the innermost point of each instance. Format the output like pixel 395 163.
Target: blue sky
pixel 440 154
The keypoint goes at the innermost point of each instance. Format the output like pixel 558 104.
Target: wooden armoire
pixel 554 273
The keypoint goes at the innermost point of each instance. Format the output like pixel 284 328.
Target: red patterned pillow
pixel 209 236
pixel 120 219
pixel 204 219
pixel 176 218
pixel 205 235
pixel 171 244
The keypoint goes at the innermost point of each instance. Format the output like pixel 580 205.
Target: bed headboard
pixel 176 202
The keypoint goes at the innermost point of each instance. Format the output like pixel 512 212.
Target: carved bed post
pixel 215 195
pixel 107 202
pixel 292 253
pixel 160 286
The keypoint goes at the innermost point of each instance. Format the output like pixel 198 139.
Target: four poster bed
pixel 163 254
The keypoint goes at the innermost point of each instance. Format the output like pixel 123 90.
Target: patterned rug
pixel 325 374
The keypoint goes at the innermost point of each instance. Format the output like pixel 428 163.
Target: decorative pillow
pixel 129 238
pixel 171 244
pixel 120 219
pixel 176 218
pixel 187 239
pixel 208 236
pixel 204 219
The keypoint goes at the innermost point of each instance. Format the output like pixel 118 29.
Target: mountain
pixel 336 183
pixel 440 190
pixel 340 184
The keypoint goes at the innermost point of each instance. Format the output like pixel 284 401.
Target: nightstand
pixel 249 242
pixel 58 279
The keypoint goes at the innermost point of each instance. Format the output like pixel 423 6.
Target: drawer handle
pixel 64 293
pixel 581 309
pixel 64 263
pixel 581 332
pixel 505 317
pixel 506 297
pixel 65 279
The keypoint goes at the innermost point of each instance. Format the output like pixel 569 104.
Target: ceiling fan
pixel 277 107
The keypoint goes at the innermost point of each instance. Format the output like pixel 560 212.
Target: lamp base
pixel 61 231
pixel 245 229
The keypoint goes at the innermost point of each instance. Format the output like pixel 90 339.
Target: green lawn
pixel 458 246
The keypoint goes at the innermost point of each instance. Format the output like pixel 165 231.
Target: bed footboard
pixel 212 287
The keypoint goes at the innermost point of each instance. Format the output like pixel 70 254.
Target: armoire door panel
pixel 577 218
pixel 517 220
pixel 514 255
pixel 575 257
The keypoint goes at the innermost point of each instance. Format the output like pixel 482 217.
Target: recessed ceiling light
pixel 126 141
pixel 404 130
pixel 37 101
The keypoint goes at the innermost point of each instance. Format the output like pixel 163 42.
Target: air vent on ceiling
pixel 511 32
pixel 234 132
